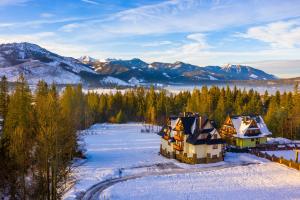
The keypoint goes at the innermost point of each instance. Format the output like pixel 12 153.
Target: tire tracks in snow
pixel 94 192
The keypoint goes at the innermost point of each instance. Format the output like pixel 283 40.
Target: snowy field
pixel 114 147
pixel 286 154
pixel 260 181
pixel 111 147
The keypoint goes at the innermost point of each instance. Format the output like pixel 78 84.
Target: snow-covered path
pixel 95 192
pixel 255 181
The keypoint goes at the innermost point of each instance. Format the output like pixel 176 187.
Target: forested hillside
pixel 39 139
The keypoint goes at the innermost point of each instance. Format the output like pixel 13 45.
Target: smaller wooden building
pixel 192 139
pixel 245 131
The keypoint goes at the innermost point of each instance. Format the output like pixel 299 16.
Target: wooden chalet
pixel 192 139
pixel 244 131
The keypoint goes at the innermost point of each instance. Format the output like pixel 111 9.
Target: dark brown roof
pixel 187 123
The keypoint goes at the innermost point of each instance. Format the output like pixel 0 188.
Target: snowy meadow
pixel 122 150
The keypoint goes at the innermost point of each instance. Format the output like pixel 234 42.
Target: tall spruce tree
pixel 19 132
pixel 4 97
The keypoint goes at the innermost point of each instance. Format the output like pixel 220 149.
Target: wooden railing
pixel 178 137
pixel 178 147
pixel 273 158
pixel 166 137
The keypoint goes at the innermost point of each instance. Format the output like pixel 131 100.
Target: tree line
pixel 39 139
pixel 281 111
pixel 40 135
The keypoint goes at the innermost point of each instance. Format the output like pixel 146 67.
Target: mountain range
pixel 37 63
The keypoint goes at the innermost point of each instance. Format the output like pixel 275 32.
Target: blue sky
pixel 260 33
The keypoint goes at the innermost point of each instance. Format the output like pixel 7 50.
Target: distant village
pixel 194 139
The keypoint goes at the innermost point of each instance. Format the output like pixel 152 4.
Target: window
pixel 215 136
pixel 215 146
pixel 252 140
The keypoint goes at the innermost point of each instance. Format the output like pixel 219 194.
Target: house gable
pixel 244 126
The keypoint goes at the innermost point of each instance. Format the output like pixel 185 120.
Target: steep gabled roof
pixel 194 139
pixel 173 121
pixel 242 124
pixel 189 124
pixel 193 126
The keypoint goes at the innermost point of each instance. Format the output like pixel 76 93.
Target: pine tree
pixel 220 113
pixel 102 108
pixel 19 131
pixel 4 97
pixel 271 117
pixel 152 115
pixel 295 114
pixel 120 118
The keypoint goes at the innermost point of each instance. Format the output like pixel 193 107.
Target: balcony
pixel 166 137
pixel 178 137
pixel 178 147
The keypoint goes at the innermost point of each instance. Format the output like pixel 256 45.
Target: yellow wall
pixel 247 142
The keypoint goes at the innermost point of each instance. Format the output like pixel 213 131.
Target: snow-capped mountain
pixel 87 59
pixel 37 63
pixel 176 72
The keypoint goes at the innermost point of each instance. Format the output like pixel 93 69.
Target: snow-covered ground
pixel 260 181
pixel 114 147
pixel 286 154
pixel 278 140
pixel 111 147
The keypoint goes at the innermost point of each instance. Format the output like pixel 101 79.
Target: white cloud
pixel 12 2
pixel 35 38
pixel 47 15
pixel 6 25
pixel 157 43
pixel 284 34
pixel 199 43
pixel 69 27
pixel 90 2
pixel 43 22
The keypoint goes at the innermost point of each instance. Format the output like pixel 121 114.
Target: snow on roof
pixel 193 126
pixel 174 122
pixel 173 125
pixel 241 126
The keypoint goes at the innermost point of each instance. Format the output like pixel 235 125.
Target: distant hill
pixel 37 63
pixel 178 72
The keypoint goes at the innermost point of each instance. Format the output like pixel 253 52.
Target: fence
pixel 274 147
pixel 273 158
